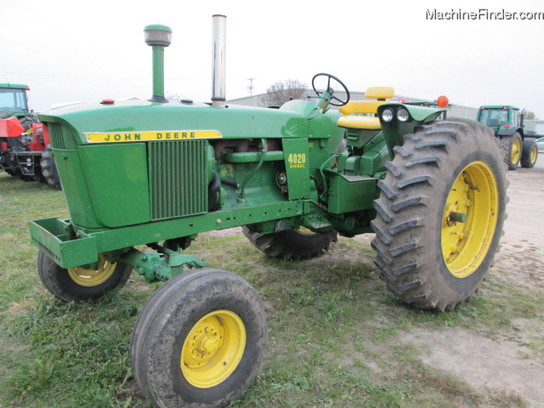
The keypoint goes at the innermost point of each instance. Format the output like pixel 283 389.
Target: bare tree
pixel 173 96
pixel 528 114
pixel 283 91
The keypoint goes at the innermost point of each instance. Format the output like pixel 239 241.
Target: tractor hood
pixel 132 120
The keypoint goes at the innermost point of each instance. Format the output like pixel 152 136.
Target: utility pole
pixel 250 87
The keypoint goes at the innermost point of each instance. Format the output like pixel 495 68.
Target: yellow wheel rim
pixel 92 277
pixel 534 154
pixel 516 151
pixel 213 349
pixel 304 231
pixel 469 219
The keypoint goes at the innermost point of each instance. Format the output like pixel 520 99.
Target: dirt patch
pixel 522 247
pixel 493 367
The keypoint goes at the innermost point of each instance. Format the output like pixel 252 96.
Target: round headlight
pixel 387 115
pixel 403 115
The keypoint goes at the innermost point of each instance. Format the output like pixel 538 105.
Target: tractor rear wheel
pixel 80 283
pixel 529 153
pixel 49 169
pixel 292 244
pixel 511 146
pixel 199 341
pixel 440 213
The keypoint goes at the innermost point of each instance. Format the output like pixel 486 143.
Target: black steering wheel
pixel 330 89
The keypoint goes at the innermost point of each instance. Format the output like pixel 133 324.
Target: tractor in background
pixel 157 173
pixel 507 123
pixel 25 149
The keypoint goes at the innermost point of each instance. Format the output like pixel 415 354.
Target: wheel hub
pixel 204 343
pixel 469 219
pixel 213 349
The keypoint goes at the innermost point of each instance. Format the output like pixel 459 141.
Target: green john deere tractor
pixel 157 173
pixel 507 123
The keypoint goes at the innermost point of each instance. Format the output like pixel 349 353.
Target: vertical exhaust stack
pixel 219 60
pixel 158 37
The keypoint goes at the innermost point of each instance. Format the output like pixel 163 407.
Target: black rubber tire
pixel 13 172
pixel 58 281
pixel 507 144
pixel 49 168
pixel 166 321
pixel 411 207
pixel 291 244
pixel 529 153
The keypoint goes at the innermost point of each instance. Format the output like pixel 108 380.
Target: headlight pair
pixel 401 114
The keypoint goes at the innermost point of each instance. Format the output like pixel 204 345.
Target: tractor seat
pixel 362 114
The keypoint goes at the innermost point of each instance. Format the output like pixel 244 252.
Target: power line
pixel 250 87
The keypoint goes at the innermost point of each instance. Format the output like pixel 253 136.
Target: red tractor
pixel 25 150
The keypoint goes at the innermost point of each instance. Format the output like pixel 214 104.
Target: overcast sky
pixel 67 50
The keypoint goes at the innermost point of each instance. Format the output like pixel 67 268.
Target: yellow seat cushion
pixel 354 112
pixel 370 106
pixel 380 92
pixel 359 122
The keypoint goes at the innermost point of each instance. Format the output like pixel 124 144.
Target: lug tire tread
pixel 506 143
pixel 526 160
pixel 410 206
pixel 291 244
pixel 49 168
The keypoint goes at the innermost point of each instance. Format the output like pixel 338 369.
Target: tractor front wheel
pixel 511 146
pixel 199 341
pixel 81 283
pixel 440 213
pixel 292 244
pixel 529 153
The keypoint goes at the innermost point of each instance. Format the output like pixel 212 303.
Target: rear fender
pixel 509 131
pixel 11 127
pixel 394 130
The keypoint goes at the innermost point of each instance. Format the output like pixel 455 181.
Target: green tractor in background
pixel 507 123
pixel 158 173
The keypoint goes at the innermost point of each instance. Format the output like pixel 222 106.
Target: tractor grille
pixel 55 133
pixel 177 178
